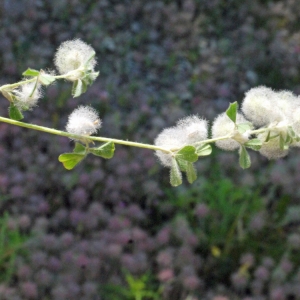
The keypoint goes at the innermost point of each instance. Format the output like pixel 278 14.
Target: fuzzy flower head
pixel 27 95
pixel 84 120
pixel 187 131
pixel 271 149
pixel 169 138
pixel 258 106
pixel 223 126
pixel 195 129
pixel 263 106
pixel 296 121
pixel 73 58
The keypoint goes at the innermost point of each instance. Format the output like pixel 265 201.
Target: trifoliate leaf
pixel 182 164
pixel 15 113
pixel 70 160
pixel 46 79
pixel 106 150
pixel 232 111
pixel 79 148
pixel 242 128
pixel 187 153
pixel 31 72
pixel 191 173
pixel 77 88
pixel 244 160
pixel 254 144
pixel 203 150
pixel 175 174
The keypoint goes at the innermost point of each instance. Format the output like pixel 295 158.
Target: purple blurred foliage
pixel 159 61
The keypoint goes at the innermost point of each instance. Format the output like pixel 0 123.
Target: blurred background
pixel 115 229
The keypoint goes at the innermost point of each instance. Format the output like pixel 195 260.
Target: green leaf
pixel 232 111
pixel 242 128
pixel 79 148
pixel 31 72
pixel 187 153
pixel 191 173
pixel 106 150
pixel 70 160
pixel 182 164
pixel 245 161
pixel 203 150
pixel 46 79
pixel 15 113
pixel 175 174
pixel 254 144
pixel 77 88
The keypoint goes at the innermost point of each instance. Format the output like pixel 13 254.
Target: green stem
pixel 81 137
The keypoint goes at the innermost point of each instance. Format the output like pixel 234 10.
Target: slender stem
pixel 15 85
pixel 81 137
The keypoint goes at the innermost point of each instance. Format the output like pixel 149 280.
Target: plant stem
pixel 81 137
pixel 116 141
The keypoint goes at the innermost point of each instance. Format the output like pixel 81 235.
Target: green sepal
pixel 268 136
pixel 70 160
pixel 89 78
pixel 232 111
pixel 15 113
pixel 203 150
pixel 244 160
pixel 191 173
pixel 291 132
pixel 282 143
pixel 288 140
pixel 106 150
pixel 90 58
pixel 175 174
pixel 8 95
pixel 243 127
pixel 254 144
pixel 79 148
pixel 77 88
pixel 31 72
pixel 187 153
pixel 46 79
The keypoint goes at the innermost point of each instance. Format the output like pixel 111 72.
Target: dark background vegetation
pixel 116 229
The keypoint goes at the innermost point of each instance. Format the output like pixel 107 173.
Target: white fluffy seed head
pixel 187 131
pixel 28 95
pixel 287 103
pixel 169 138
pixel 195 129
pixel 258 106
pixel 224 126
pixel 84 120
pixel 271 149
pixel 72 55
